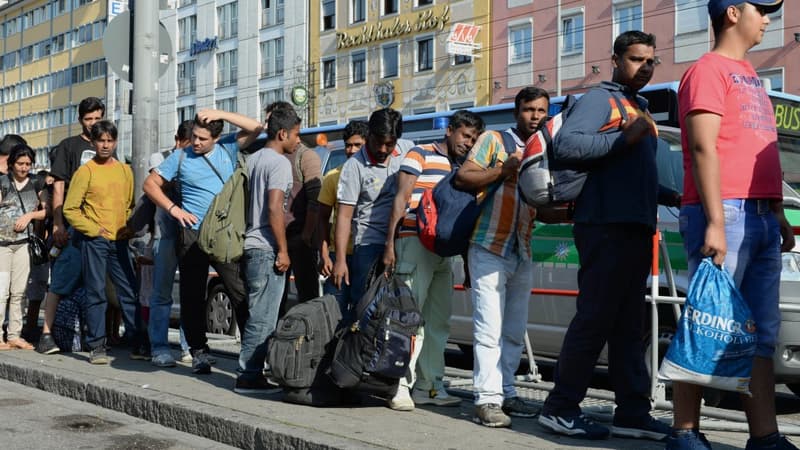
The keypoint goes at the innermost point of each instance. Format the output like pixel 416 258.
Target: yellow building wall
pixel 89 13
pixel 95 88
pixel 87 52
pixel 437 89
pixel 37 139
pixel 34 105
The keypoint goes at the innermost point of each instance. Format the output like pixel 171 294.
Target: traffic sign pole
pixel 145 90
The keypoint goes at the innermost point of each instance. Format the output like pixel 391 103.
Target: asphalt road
pixel 36 419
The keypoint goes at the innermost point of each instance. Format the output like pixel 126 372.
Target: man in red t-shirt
pixel 732 204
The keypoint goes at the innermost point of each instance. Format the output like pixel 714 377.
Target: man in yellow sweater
pixel 98 203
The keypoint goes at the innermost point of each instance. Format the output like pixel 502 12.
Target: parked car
pixel 556 267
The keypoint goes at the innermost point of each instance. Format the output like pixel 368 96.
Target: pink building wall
pixel 659 19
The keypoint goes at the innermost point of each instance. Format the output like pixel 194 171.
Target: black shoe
pixel 579 426
pixel 141 353
pixel 255 385
pixel 47 345
pixel 645 428
pixel 98 356
pixel 200 364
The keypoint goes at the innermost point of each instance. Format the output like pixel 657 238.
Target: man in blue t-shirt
pixel 200 171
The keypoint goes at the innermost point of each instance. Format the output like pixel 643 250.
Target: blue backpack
pixel 446 215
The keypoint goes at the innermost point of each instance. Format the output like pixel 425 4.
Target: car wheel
pixel 467 350
pixel 219 312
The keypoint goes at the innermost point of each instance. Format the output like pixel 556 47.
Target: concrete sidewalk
pixel 206 406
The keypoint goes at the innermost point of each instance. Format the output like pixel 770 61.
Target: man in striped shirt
pixel 429 276
pixel 500 264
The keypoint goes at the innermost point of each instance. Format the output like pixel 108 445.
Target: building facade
pixel 52 57
pixel 566 46
pixel 370 54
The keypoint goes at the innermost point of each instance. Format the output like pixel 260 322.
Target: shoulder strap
pixel 5 185
pixel 213 168
pixel 622 111
pixel 298 158
pixel 509 141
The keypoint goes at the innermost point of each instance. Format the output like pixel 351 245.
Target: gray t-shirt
pixel 268 170
pixel 370 188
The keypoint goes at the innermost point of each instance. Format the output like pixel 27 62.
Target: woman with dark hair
pixel 19 206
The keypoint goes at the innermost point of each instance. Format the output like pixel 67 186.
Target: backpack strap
pixel 618 100
pixel 213 168
pixel 298 170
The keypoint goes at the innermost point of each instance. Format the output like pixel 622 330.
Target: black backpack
pixel 374 352
pixel 300 349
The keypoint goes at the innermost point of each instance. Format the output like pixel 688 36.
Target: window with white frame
pixel 358 11
pixel 690 16
pixel 519 43
pixel 424 2
pixel 227 104
pixel 328 14
pixel 187 32
pixel 772 79
pixel 272 12
pixel 358 67
pixel 389 58
pixel 425 54
pixel 461 59
pixel 329 73
pixel 390 6
pixel 572 33
pixel 228 20
pixel 187 79
pixel 272 58
pixel 627 17
pixel 227 68
pixel 186 113
pixel 267 98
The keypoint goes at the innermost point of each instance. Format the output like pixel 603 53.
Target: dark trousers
pixel 99 257
pixel 304 269
pixel 193 264
pixel 615 262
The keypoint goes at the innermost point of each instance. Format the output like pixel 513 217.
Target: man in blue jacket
pixel 615 219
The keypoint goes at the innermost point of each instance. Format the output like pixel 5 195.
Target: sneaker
pixel 579 426
pixel 163 360
pixel 518 407
pixel 98 356
pixel 47 345
pixel 200 363
pixel 402 400
pixel 649 428
pixel 491 415
pixel 774 441
pixel 257 385
pixel 141 353
pixel 434 397
pixel 687 440
pixel 186 357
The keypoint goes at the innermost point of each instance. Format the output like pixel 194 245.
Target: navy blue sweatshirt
pixel 622 183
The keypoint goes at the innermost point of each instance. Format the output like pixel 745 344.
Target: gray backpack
pixel 300 349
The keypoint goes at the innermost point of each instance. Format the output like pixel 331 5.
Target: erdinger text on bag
pixel 715 342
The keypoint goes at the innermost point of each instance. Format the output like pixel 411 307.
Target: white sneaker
pixel 186 357
pixel 402 400
pixel 434 397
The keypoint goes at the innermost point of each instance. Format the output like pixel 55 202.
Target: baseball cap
pixel 717 7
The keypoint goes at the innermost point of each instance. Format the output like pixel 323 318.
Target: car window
pixel 669 160
pixel 335 159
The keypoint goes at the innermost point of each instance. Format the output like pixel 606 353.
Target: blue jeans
pixel 101 256
pixel 165 262
pixel 342 295
pixel 753 259
pixel 66 271
pixel 264 287
pixel 501 290
pixel 364 257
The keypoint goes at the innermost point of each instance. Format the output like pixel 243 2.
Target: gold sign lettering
pixel 426 21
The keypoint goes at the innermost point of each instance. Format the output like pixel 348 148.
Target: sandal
pixel 20 344
pixel 4 346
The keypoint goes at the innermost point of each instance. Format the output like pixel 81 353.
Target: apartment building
pixel 565 46
pixel 51 57
pixel 369 55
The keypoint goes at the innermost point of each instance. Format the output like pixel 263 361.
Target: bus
pixel 663 105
